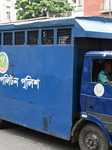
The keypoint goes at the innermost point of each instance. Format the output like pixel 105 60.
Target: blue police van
pixel 48 72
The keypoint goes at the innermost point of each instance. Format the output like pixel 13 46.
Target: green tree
pixel 39 8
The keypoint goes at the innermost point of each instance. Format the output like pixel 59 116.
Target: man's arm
pixel 109 82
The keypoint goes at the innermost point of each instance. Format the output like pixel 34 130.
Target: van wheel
pixel 3 124
pixel 91 137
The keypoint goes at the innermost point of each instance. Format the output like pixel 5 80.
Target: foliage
pixel 39 8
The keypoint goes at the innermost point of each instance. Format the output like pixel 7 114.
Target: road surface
pixel 15 137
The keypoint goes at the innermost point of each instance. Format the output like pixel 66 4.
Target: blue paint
pixel 102 105
pixel 50 105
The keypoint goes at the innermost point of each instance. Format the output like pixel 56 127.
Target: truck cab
pixel 96 103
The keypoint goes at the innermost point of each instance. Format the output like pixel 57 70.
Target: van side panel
pixel 36 90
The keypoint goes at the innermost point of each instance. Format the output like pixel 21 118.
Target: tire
pixel 91 137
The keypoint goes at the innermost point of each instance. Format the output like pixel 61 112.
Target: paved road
pixel 19 138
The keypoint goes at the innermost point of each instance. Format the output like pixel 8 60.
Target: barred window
pixel 7 38
pixel 20 38
pixel 64 36
pixel 47 37
pixel 32 37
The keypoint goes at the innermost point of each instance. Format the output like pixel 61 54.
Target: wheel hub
pixel 91 141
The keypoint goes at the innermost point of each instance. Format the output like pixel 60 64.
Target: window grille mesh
pixel 7 38
pixel 64 36
pixel 32 37
pixel 47 37
pixel 20 38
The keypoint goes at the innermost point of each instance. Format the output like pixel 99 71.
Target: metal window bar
pixel 20 38
pixel 47 37
pixel 64 36
pixel 32 37
pixel 7 38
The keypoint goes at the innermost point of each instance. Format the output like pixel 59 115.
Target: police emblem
pixel 4 62
pixel 99 90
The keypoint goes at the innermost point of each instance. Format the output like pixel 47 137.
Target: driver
pixel 105 75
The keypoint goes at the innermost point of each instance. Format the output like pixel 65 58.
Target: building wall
pixel 81 8
pixel 78 7
pixel 7 11
pixel 92 7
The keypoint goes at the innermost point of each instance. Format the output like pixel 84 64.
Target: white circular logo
pixel 99 90
pixel 4 62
